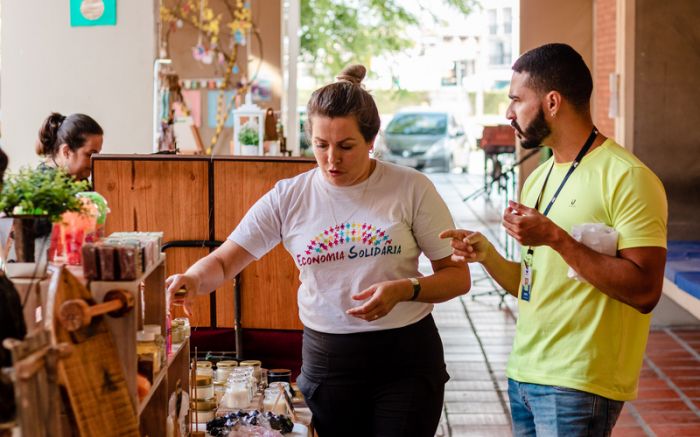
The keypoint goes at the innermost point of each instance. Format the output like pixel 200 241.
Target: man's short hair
pixel 558 67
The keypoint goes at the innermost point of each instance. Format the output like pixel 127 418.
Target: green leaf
pixel 335 33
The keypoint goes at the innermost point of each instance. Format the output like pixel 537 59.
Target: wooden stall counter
pixel 200 199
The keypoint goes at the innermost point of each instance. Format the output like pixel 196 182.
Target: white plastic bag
pixel 597 236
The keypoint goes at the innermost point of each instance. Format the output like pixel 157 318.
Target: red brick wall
pixel 603 63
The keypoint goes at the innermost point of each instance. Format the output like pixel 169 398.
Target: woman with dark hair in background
pixel 373 361
pixel 69 142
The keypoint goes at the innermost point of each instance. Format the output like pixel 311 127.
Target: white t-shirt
pixel 345 239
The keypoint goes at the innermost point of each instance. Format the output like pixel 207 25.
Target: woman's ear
pixel 63 153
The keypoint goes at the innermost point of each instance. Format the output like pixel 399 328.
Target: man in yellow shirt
pixel 579 341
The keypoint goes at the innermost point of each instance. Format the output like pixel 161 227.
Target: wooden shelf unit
pixel 149 308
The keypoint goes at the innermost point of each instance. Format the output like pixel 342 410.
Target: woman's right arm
pixel 208 273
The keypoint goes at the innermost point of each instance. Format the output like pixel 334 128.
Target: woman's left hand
pixel 382 296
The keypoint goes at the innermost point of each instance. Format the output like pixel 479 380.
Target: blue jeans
pixel 544 410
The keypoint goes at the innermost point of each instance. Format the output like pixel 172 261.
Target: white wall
pixel 103 71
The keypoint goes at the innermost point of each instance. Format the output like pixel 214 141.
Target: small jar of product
pixel 203 410
pixel 285 385
pixel 148 354
pixel 205 387
pixel 204 368
pixel 256 365
pixel 184 323
pixel 273 401
pixel 283 375
pixel 159 340
pixel 177 331
pixel 219 391
pixel 224 369
pixel 237 394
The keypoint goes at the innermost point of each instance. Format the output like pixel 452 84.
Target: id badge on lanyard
pixel 527 272
pixel 526 280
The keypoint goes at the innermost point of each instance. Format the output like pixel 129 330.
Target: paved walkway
pixel 477 334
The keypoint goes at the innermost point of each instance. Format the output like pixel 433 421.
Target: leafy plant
pixel 248 136
pixel 49 192
pixel 335 33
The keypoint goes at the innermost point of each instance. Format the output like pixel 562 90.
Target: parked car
pixel 423 138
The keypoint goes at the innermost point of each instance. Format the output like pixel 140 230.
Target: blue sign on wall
pixel 93 13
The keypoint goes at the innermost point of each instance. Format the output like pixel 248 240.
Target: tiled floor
pixel 477 336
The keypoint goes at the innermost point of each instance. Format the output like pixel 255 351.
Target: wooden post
pixel 35 363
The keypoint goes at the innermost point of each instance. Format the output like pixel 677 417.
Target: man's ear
pixel 552 101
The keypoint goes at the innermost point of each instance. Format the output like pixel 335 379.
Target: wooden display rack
pixel 150 308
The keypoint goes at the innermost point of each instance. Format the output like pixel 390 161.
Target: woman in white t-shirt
pixel 372 358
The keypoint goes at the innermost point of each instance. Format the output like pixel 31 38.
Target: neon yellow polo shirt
pixel 570 334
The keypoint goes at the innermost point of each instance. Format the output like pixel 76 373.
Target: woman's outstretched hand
pixel 181 290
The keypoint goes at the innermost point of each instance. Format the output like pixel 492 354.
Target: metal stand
pixel 500 178
pixel 505 180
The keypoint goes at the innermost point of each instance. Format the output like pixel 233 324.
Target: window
pixel 496 52
pixel 507 21
pixel 493 21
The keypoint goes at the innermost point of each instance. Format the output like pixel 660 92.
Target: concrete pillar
pixel 547 21
pixel 104 71
pixel 667 105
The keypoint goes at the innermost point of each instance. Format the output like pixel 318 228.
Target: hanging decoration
pixel 219 37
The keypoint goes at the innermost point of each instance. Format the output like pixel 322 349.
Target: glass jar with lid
pixel 204 387
pixel 159 341
pixel 273 400
pixel 203 410
pixel 283 375
pixel 237 395
pixel 224 369
pixel 256 365
pixel 205 368
pixel 177 331
pixel 284 385
pixel 148 352
pixel 219 391
pixel 185 323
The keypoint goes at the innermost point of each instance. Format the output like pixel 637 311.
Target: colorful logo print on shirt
pixel 362 240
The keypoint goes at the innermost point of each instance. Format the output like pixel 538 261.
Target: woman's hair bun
pixel 353 74
pixel 48 134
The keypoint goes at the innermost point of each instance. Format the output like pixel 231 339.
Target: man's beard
pixel 534 133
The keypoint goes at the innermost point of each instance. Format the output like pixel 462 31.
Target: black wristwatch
pixel 416 288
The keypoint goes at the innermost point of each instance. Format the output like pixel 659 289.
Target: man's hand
pixel 382 296
pixel 468 246
pixel 530 227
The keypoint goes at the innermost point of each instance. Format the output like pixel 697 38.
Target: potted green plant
pixel 249 140
pixel 35 199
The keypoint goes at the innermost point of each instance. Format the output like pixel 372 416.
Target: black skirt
pixel 379 383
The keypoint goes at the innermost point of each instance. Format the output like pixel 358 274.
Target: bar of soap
pixel 128 268
pixel 107 262
pixel 91 262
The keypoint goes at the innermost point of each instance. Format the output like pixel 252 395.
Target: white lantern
pixel 248 127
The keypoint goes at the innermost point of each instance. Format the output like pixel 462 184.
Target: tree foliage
pixel 335 33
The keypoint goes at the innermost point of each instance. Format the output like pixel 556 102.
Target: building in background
pixel 462 63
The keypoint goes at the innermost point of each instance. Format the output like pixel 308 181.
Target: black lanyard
pixel 586 146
